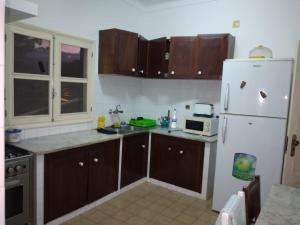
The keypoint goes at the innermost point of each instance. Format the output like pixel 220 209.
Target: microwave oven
pixel 201 125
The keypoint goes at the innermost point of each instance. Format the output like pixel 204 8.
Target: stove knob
pixel 18 168
pixel 10 170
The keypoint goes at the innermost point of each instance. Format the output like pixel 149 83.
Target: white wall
pixel 273 23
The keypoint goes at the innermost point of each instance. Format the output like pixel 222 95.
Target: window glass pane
pixel 31 97
pixel 73 61
pixel 73 97
pixel 31 55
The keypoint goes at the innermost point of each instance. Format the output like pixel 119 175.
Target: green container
pixel 142 123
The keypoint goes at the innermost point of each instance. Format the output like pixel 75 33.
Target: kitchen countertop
pixel 282 207
pixel 59 142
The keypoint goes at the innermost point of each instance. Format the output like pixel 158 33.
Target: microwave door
pixel 194 126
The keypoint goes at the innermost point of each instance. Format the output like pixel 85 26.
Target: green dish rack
pixel 142 123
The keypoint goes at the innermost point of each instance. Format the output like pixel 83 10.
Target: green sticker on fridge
pixel 244 166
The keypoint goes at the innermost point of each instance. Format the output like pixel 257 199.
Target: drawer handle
pixel 144 146
pixel 199 72
pixel 158 72
pixel 169 148
pixel 81 164
pixel 133 69
pixel 96 160
pixel 142 71
pixel 181 152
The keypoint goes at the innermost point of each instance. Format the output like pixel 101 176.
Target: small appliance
pixel 201 125
pixel 203 110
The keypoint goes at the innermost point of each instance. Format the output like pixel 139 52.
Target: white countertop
pixel 282 207
pixel 59 142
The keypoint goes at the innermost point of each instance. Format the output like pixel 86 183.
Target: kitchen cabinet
pixel 212 51
pixel 134 158
pixel 199 57
pixel 158 58
pixel 75 177
pixel 183 62
pixel 118 52
pixel 142 56
pixel 177 161
pixel 103 169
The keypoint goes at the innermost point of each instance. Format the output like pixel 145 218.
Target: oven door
pixel 17 200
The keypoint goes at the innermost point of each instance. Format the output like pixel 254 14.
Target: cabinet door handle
pixel 169 148
pixel 172 72
pixel 226 98
pixel 81 164
pixel 133 69
pixel 181 152
pixel 96 160
pixel 199 72
pixel 158 72
pixel 142 71
pixel 144 146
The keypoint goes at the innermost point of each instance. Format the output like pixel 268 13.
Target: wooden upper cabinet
pixel 118 52
pixel 183 61
pixel 213 49
pixel 157 61
pixel 142 56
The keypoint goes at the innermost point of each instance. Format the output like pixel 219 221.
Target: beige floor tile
pixel 143 202
pixel 111 221
pixel 147 214
pixel 201 222
pixel 186 200
pixel 108 209
pixel 161 220
pixel 177 206
pixel 164 202
pixel 134 209
pixel 150 223
pixel 209 216
pixel 185 219
pixel 195 211
pixel 156 207
pixel 136 220
pixel 129 196
pixel 123 215
pixel 120 202
pixel 80 220
pixel 97 216
pixel 170 213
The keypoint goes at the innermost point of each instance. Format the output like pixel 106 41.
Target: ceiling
pixel 149 5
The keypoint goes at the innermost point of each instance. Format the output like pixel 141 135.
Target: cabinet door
pixel 65 182
pixel 107 45
pixel 134 158
pixel 163 158
pixel 103 169
pixel 126 52
pixel 183 61
pixel 158 63
pixel 189 169
pixel 142 57
pixel 213 50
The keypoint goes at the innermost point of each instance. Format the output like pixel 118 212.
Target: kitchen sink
pixel 129 129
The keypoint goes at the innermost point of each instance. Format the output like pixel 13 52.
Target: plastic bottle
pixel 174 120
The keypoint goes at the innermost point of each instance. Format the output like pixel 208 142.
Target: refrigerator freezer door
pixel 258 136
pixel 258 88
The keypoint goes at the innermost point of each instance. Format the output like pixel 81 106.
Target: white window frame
pixel 55 117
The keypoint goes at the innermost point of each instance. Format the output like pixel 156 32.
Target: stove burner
pixel 14 153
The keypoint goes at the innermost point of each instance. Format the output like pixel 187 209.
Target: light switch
pixel 236 24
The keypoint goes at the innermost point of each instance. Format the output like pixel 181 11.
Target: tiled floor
pixel 148 204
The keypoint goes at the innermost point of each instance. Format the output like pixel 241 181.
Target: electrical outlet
pixel 236 24
pixel 187 107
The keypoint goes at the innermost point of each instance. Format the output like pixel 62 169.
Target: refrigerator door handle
pixel 226 98
pixel 224 129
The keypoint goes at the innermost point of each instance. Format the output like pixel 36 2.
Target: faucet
pixel 116 111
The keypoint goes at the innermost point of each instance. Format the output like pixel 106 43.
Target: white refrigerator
pixel 253 121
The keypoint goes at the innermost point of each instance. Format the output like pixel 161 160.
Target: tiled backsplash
pixel 140 97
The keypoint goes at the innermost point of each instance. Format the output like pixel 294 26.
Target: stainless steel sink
pixel 128 129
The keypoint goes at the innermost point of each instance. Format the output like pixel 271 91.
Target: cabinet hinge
pixel 286 144
pixel 5 37
pixel 92 55
pixel 53 93
pixel 91 109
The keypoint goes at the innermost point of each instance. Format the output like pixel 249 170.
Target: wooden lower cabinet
pixel 103 169
pixel 134 158
pixel 177 161
pixel 73 178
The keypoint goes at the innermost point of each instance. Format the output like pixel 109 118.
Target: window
pixel 48 77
